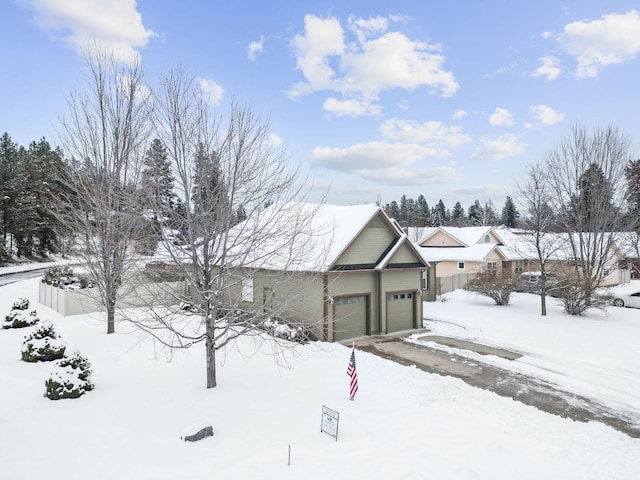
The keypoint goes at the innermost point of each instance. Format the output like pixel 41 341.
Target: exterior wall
pixel 440 239
pixel 369 245
pixel 448 268
pixel 405 255
pixel 74 302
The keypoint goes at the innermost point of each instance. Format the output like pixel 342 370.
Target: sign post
pixel 330 420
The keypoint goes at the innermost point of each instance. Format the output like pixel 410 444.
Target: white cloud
pixel 351 107
pixel 612 39
pixel 501 118
pixel 459 114
pixel 384 162
pixel 114 24
pixel 211 91
pixel 364 66
pixel 367 28
pixel 546 115
pixel 254 48
pixel 323 38
pixel 415 176
pixel 432 133
pixel 498 148
pixel 549 68
pixel 274 140
pixel 370 155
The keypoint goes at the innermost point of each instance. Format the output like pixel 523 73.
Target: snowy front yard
pixel 597 355
pixel 403 424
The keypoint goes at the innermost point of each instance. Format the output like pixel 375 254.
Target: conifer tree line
pixel 32 179
pixel 411 212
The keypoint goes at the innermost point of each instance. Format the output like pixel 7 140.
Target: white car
pixel 628 300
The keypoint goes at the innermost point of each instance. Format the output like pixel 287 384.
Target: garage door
pixel 350 314
pixel 400 311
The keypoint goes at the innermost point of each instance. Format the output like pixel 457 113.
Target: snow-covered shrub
pixel 496 285
pixel 295 333
pixel 43 345
pixel 20 304
pixel 70 378
pixel 64 278
pixel 18 317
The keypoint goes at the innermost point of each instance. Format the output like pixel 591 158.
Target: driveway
pixel 526 389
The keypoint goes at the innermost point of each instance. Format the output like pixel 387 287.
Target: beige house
pixel 359 276
pixel 460 253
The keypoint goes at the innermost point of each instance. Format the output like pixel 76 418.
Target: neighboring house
pixel 520 251
pixel 629 245
pixel 359 275
pixel 459 253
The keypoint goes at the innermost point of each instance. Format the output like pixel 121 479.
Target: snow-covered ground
pixel 403 424
pixel 596 355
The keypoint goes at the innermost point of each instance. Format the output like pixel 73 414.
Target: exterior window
pixel 460 265
pixel 247 290
pixel 487 239
pixel 395 297
pixel 606 270
pixel 492 267
pixel 409 295
pixel 518 267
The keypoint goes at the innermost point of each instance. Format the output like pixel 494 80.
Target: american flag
pixel 351 371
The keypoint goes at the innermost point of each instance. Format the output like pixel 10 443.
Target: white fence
pixel 86 300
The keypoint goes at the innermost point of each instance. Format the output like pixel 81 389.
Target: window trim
pixel 248 290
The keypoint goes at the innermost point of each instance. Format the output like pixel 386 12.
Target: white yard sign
pixel 329 424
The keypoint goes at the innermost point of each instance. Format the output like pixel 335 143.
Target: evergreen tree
pixel 458 216
pixel 404 212
pixel 423 213
pixel 157 179
pixel 439 215
pixel 490 215
pixel 475 214
pixel 632 175
pixel 510 214
pixel 44 166
pixel 394 210
pixel 9 163
pixel 594 197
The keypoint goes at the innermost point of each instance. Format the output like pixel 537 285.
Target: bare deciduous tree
pixel 102 134
pixel 540 229
pixel 586 175
pixel 225 170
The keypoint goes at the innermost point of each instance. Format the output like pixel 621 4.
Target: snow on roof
pixel 474 253
pixel 465 235
pixel 299 236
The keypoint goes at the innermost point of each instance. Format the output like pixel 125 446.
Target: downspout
pixel 381 298
pixel 325 307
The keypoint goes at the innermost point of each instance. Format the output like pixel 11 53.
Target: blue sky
pixel 371 99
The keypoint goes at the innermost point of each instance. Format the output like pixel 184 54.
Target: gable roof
pixel 303 236
pixel 466 236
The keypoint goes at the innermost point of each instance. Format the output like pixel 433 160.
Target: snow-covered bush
pixel 18 317
pixel 43 345
pixel 295 333
pixel 496 285
pixel 21 304
pixel 70 378
pixel 64 278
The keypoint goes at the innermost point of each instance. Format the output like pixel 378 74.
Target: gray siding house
pixel 360 276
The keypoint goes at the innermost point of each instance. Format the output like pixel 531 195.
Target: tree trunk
pixel 211 360
pixel 111 318
pixel 543 304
